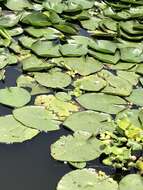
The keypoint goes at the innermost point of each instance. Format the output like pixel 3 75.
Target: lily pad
pixel 14 96
pixel 89 121
pixel 36 117
pixel 16 5
pixel 53 79
pixel 86 179
pixel 33 63
pixel 46 49
pixel 90 83
pixel 131 181
pixel 102 102
pixel 79 147
pixel 73 50
pixel 12 131
pixel 136 97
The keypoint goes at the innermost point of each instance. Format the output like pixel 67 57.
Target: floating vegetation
pixel 82 61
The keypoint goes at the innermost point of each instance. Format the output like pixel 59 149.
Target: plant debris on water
pixel 82 61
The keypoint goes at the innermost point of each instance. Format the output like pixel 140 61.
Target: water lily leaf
pixel 46 49
pixel 122 66
pixel 36 19
pixel 16 5
pixel 132 78
pixel 89 121
pixel 131 181
pixel 91 24
pixel 12 131
pixel 139 69
pixel 66 28
pixel 15 31
pixel 14 96
pixel 115 84
pixel 104 46
pixel 102 102
pixel 33 63
pixel 73 50
pixel 59 108
pixel 85 4
pixel 26 41
pixel 36 117
pixel 90 83
pixel 132 54
pixel 79 147
pixel 128 27
pixel 107 58
pixel 53 79
pixel 29 82
pixel 109 23
pixel 9 20
pixel 86 178
pixel 136 97
pixel 81 65
pixel 48 33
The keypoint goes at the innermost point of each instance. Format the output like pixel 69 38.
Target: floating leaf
pixel 36 117
pixel 14 96
pixel 86 179
pixel 136 97
pixel 81 65
pixel 33 63
pixel 16 5
pixel 11 131
pixel 53 79
pixel 80 147
pixel 46 49
pixel 36 19
pixel 131 181
pixel 89 121
pixel 102 102
pixel 90 83
pixel 73 50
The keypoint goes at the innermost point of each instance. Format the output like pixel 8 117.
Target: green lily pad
pixel 14 96
pixel 90 83
pixel 81 65
pixel 46 49
pixel 104 46
pixel 107 58
pixel 79 147
pixel 89 121
pixel 29 82
pixel 131 181
pixel 102 102
pixel 73 50
pixel 132 54
pixel 36 19
pixel 53 79
pixel 16 5
pixel 86 179
pixel 48 33
pixel 33 63
pixel 115 84
pixel 136 97
pixel 12 131
pixel 36 117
